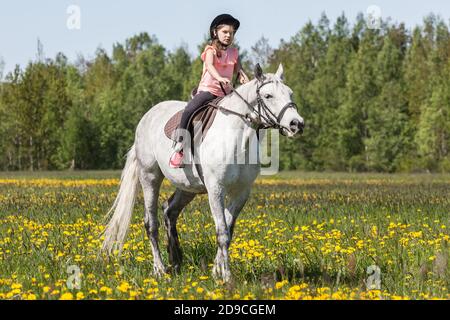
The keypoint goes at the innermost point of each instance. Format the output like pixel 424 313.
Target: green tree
pixel 433 134
pixel 2 68
pixel 417 74
pixel 360 90
pixel 300 57
pixel 261 52
pixel 177 67
pixel 387 117
pixel 327 94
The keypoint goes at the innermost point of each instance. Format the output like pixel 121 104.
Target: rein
pixel 270 119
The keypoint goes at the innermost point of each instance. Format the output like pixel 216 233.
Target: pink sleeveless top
pixel 224 66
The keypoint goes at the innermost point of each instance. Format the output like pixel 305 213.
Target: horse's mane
pixel 251 83
pixel 239 89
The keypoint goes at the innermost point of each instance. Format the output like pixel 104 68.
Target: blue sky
pixel 174 22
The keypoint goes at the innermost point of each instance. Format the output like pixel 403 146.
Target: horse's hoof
pixel 222 274
pixel 216 273
pixel 159 272
pixel 176 269
pixel 227 278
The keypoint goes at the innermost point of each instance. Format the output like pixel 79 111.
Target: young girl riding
pixel 221 63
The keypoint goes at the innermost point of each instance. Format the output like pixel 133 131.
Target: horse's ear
pixel 258 72
pixel 280 72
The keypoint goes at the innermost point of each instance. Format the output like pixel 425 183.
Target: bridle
pixel 270 119
pixel 265 117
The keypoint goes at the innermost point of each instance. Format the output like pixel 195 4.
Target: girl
pixel 221 62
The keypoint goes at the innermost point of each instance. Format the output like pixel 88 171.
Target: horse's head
pixel 276 98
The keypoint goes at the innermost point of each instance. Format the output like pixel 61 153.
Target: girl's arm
pixel 209 63
pixel 241 74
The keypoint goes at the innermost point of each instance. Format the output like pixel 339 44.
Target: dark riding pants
pixel 199 100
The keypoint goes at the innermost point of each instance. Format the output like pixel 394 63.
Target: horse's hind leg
pixel 172 209
pixel 151 183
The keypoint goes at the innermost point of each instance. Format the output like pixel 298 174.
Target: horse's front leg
pixel 216 196
pixel 237 202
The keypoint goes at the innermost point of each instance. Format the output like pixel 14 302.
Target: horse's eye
pixel 268 96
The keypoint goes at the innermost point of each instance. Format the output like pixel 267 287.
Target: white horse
pixel 266 101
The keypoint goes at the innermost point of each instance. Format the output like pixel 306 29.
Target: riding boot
pixel 178 143
pixel 176 159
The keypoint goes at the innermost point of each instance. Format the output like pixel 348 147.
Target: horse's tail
pixel 116 229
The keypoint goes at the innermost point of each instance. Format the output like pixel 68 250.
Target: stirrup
pixel 181 165
pixel 177 147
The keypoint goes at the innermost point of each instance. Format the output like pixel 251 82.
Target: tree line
pixel 372 99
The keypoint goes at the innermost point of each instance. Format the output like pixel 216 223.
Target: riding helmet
pixel 224 19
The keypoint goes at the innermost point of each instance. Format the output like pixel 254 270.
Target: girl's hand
pixel 243 77
pixel 224 81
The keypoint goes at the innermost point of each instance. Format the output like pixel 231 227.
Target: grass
pixel 300 236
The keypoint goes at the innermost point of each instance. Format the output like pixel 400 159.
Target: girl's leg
pixel 199 99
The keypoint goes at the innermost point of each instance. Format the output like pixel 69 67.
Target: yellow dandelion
pixel 123 287
pixel 66 296
pixel 200 290
pixel 105 289
pixel 16 286
pixel 80 295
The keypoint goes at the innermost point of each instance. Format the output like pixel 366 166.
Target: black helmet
pixel 223 19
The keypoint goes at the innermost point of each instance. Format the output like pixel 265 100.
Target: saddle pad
pixel 173 124
pixel 204 115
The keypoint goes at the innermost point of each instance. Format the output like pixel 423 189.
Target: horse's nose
pixel 296 126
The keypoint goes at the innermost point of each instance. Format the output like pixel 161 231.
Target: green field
pixel 300 236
